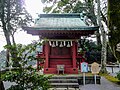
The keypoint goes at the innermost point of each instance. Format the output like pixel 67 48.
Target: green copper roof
pixel 60 26
pixel 61 22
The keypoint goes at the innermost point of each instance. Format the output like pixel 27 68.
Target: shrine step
pixel 62 81
pixel 71 81
pixel 65 85
pixel 66 76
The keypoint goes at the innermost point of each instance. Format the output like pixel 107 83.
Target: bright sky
pixel 34 7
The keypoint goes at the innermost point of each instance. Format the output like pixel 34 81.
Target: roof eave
pixel 95 28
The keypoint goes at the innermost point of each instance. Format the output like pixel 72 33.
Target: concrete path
pixel 105 85
pixel 8 84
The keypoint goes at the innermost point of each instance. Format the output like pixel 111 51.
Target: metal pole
pixel 119 66
pixel 112 70
pixel 83 78
pixel 95 78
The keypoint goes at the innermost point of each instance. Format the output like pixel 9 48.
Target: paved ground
pixel 105 85
pixel 8 84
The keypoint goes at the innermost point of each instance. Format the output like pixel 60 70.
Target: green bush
pixel 26 79
pixel 118 76
pixel 24 75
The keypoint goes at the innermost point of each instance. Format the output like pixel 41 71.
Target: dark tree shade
pixel 114 25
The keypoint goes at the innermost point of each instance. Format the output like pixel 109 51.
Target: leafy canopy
pixel 25 76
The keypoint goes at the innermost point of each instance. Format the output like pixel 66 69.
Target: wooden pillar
pixel 47 55
pixel 74 54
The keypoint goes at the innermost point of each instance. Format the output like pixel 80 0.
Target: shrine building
pixel 61 32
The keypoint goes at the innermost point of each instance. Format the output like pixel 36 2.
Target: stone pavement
pixel 105 85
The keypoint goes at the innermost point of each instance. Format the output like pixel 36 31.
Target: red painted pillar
pixel 74 54
pixel 46 55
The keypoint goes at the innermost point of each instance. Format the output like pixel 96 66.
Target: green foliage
pixel 25 76
pixel 90 50
pixel 72 6
pixel 64 6
pixel 78 7
pixel 118 75
pixel 47 9
pixel 12 16
pixel 27 79
pixel 89 45
pixel 114 26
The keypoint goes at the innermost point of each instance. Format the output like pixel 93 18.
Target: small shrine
pixel 60 50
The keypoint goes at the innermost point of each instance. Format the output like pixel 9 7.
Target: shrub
pixel 24 75
pixel 118 75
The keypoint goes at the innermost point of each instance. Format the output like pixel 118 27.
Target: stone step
pixel 71 81
pixel 63 81
pixel 65 85
pixel 66 77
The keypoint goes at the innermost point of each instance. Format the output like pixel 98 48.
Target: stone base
pixel 71 81
pixel 89 80
pixel 66 71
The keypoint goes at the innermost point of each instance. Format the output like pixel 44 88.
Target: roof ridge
pixel 55 15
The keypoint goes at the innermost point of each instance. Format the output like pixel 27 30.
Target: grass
pixel 111 78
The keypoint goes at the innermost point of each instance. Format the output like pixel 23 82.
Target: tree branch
pixel 104 18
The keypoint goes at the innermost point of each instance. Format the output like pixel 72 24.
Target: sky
pixel 34 7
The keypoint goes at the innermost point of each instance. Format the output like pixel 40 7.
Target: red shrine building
pixel 61 33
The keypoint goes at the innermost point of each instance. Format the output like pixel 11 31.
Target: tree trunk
pixel 6 33
pixel 7 58
pixel 1 85
pixel 6 29
pixel 93 18
pixel 13 39
pixel 103 34
pixel 103 52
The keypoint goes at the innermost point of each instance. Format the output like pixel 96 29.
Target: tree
pixel 74 6
pixel 25 76
pixel 114 26
pixel 103 42
pixel 12 15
